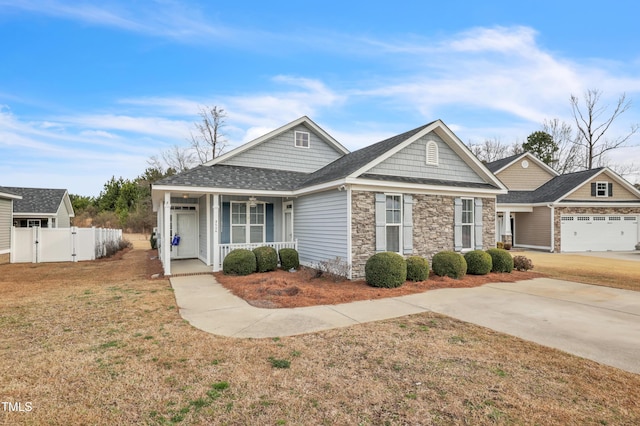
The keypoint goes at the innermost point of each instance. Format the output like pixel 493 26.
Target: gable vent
pixel 432 153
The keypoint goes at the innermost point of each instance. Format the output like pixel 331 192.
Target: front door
pixel 184 224
pixel 288 221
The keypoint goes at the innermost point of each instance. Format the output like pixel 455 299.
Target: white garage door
pixel 598 233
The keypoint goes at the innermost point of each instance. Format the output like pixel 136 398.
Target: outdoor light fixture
pixel 185 196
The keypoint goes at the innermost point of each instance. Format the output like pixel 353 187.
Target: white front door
pixel 288 221
pixel 184 224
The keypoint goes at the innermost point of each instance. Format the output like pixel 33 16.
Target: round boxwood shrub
pixel 239 262
pixel 478 262
pixel 289 258
pixel 266 258
pixel 449 264
pixel 417 268
pixel 386 269
pixel 501 259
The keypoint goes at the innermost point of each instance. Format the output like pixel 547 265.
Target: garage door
pixel 598 233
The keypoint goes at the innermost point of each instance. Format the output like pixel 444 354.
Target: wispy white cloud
pixel 157 18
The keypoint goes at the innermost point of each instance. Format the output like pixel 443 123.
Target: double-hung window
pixel 394 223
pixel 602 189
pixel 467 223
pixel 247 223
pixel 302 139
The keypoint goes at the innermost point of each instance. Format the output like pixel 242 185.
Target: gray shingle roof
pixel 550 191
pixel 37 200
pixel 236 177
pixel 5 190
pixel 424 181
pixel 494 166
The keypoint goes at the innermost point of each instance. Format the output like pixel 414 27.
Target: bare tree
pixel 570 156
pixel 177 158
pixel 592 128
pixel 492 150
pixel 209 140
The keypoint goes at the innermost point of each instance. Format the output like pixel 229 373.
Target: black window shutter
pixel 610 189
pixel 593 189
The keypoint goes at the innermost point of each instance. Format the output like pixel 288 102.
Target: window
pixel 247 223
pixel 432 153
pixel 32 223
pixel 393 222
pixel 467 223
pixel 302 139
pixel 602 189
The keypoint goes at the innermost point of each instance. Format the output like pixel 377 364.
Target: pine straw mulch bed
pixel 283 289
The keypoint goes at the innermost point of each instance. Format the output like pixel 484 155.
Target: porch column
pixel 166 237
pixel 507 236
pixel 216 232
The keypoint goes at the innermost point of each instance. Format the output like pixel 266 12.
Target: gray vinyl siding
pixel 279 153
pixel 6 209
pixel 411 162
pixel 320 226
pixel 202 228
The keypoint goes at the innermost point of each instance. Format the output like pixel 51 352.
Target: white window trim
pixel 606 189
pixel 397 225
pixel 295 139
pixel 431 148
pixel 469 224
pixel 33 223
pixel 248 224
pixel 285 210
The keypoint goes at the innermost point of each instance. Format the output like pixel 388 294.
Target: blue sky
pixel 89 90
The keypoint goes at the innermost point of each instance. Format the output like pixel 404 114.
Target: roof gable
pixel 523 172
pixel 277 150
pixel 448 139
pixel 622 190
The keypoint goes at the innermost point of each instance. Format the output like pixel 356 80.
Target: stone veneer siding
pixel 433 224
pixel 587 211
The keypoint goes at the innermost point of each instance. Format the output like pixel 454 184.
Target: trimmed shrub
pixel 266 259
pixel 449 264
pixel 239 262
pixel 501 259
pixel 386 269
pixel 289 258
pixel 478 262
pixel 417 268
pixel 522 263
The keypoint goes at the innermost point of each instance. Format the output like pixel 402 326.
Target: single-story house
pixel 47 208
pixel 590 210
pixel 7 199
pixel 416 193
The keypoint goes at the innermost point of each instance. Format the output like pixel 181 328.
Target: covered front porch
pixel 208 226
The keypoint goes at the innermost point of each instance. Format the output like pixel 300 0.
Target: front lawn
pixel 103 343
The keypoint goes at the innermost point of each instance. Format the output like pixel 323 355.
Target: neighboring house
pixel 7 199
pixel 416 194
pixel 591 210
pixel 47 208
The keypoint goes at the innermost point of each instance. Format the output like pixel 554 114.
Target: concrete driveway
pixel 598 323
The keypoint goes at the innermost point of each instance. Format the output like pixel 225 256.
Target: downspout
pixel 553 239
pixel 166 237
pixel 350 237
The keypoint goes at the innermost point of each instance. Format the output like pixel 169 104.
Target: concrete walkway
pixel 598 323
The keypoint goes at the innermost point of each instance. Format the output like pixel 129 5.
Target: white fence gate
pixel 73 244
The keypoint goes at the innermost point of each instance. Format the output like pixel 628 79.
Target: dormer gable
pixel 300 146
pixel 522 172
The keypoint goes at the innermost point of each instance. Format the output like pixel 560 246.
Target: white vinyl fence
pixel 73 244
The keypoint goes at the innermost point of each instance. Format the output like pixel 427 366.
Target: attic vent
pixel 432 153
